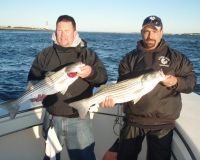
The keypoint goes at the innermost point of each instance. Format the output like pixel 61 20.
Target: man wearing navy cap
pixel 154 115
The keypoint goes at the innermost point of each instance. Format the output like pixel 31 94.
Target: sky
pixel 125 16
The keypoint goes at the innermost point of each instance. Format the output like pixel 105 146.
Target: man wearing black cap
pixel 154 115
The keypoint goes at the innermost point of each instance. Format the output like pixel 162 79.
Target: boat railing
pixel 186 140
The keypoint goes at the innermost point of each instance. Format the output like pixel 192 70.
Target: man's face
pixel 65 33
pixel 151 37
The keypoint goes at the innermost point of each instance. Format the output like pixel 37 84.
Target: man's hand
pixel 39 98
pixel 110 155
pixel 107 103
pixel 86 71
pixel 170 81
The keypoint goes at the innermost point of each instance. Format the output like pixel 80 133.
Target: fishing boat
pixel 21 138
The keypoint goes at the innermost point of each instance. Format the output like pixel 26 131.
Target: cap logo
pixel 152 18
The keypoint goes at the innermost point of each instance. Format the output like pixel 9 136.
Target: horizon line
pixel 45 29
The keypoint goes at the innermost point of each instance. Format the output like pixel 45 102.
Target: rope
pixel 118 120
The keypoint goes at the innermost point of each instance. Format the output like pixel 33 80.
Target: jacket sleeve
pixel 127 66
pixel 185 74
pixel 99 73
pixel 124 69
pixel 36 72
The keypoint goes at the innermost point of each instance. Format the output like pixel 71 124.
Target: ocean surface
pixel 18 49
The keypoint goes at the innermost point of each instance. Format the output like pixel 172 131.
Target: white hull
pixel 21 138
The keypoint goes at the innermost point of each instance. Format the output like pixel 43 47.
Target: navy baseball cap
pixel 153 21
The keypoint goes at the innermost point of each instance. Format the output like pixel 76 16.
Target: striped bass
pixel 53 83
pixel 123 91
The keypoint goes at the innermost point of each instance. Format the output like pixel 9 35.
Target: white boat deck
pixel 19 140
pixel 188 123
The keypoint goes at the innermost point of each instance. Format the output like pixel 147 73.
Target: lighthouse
pixel 46 25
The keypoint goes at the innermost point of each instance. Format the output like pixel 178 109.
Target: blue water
pixel 18 49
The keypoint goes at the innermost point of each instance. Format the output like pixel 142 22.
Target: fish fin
pixel 64 91
pixel 31 85
pixel 13 113
pixel 136 100
pixel 93 109
pixel 49 74
pixel 81 106
pixel 12 107
pixel 102 87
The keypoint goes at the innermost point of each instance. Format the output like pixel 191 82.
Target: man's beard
pixel 150 43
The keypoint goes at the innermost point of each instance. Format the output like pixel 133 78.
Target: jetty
pixel 24 28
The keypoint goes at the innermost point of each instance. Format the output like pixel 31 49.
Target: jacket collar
pixel 77 41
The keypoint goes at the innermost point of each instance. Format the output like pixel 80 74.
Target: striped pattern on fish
pixel 51 84
pixel 124 91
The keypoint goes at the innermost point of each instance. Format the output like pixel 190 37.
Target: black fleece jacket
pixel 162 103
pixel 56 57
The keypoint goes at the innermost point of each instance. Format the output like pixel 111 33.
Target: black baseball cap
pixel 153 21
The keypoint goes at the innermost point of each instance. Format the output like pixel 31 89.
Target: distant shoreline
pixel 45 29
pixel 24 28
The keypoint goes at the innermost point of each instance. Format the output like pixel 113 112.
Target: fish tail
pixel 81 106
pixel 11 106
